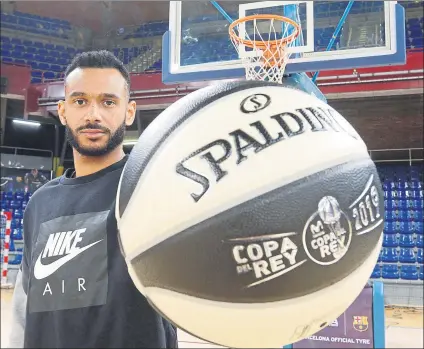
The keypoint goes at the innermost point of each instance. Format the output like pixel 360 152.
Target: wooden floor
pixel 404 327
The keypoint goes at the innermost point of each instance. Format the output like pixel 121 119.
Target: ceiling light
pixel 26 122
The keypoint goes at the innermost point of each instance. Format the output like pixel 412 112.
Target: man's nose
pixel 93 113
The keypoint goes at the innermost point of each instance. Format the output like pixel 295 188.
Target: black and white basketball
pixel 250 214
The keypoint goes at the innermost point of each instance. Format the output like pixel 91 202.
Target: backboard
pixel 197 46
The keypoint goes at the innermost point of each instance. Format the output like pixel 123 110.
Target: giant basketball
pixel 250 214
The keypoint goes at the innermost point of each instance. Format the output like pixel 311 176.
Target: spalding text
pixel 239 144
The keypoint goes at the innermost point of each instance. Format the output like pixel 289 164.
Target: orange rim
pixel 261 44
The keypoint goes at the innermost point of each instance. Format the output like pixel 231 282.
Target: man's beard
pixel 115 139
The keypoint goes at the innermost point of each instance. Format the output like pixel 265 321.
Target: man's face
pixel 96 110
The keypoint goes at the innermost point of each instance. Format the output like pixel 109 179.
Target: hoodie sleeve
pixel 17 325
pixel 19 299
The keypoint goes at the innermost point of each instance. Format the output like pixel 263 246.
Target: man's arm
pixel 19 300
pixel 17 326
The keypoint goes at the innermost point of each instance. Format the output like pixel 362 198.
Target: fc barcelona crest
pixel 360 323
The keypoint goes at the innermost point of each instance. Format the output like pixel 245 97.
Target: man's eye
pixel 79 102
pixel 109 103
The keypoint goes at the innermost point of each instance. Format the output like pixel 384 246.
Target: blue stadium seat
pixel 19 195
pixel 62 61
pixel 396 204
pixel 6 59
pixel 17 54
pixel 390 271
pixel 36 80
pixel 11 248
pixel 16 223
pixel 398 215
pixel 44 66
pixel 50 59
pixel 17 234
pixel 406 240
pixel 415 227
pixel 408 272
pixel 412 204
pixel 389 255
pixel 4 204
pixel 17 260
pixel 420 257
pixel 28 56
pixel 34 65
pixel 376 273
pixel 5 52
pixel 18 214
pixel 421 273
pixel 49 75
pixel 36 73
pixel 406 255
pixel 390 241
pixel 40 58
pixel 14 204
pixel 399 227
pixel 415 215
pixel 16 41
pixel 56 68
pixel 420 241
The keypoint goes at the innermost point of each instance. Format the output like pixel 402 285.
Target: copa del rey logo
pixel 265 257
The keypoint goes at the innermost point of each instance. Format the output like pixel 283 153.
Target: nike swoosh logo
pixel 42 271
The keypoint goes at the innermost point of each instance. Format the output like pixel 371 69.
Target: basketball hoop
pixel 268 52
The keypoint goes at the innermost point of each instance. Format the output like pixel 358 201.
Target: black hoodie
pixel 74 280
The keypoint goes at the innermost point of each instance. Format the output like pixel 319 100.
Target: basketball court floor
pixel 404 327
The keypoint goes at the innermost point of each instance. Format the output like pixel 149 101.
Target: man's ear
pixel 61 112
pixel 131 112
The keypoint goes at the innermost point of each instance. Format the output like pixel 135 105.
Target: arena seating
pixel 149 30
pixel 25 22
pixel 126 54
pixel 49 61
pixel 401 257
pixel 15 202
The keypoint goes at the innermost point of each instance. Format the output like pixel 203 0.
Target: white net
pixel 263 43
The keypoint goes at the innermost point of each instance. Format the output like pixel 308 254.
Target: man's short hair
pixel 98 59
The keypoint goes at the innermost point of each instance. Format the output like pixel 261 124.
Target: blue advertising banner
pixel 353 329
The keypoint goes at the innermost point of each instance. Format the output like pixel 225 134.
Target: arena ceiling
pixel 91 14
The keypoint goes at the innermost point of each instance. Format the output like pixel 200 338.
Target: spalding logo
pixel 242 143
pixel 255 103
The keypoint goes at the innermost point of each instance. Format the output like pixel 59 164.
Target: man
pixel 34 180
pixel 74 289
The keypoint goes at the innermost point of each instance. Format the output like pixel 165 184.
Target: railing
pixel 410 155
pixel 44 79
pixel 18 157
pixel 26 151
